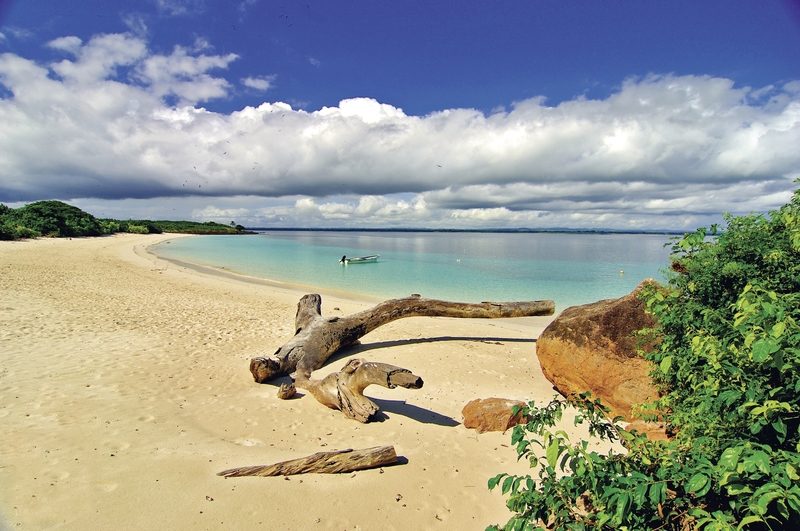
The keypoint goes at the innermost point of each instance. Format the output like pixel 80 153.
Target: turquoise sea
pixel 570 268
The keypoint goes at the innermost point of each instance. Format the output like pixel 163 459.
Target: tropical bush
pixel 729 369
pixel 52 218
pixel 137 229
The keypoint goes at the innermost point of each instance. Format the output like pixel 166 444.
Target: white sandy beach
pixel 124 389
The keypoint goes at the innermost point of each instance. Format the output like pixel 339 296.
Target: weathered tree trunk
pixel 344 390
pixel 321 463
pixel 317 338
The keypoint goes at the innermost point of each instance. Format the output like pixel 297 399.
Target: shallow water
pixel 566 267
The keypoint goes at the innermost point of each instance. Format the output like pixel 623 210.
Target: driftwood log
pixel 344 390
pixel 321 463
pixel 317 338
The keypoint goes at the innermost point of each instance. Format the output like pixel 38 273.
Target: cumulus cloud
pixel 262 83
pixel 185 76
pixel 119 121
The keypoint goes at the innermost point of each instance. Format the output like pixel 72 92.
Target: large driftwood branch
pixel 317 338
pixel 321 463
pixel 344 390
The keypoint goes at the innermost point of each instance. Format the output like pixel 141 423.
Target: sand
pixel 124 389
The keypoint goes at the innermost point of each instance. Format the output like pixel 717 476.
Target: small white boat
pixel 371 259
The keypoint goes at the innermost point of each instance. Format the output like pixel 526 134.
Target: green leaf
pixel 735 489
pixel 507 484
pixel 552 453
pixel 495 480
pixel 758 460
pixel 763 349
pixel 623 501
pixel 639 493
pixel 791 472
pixel 698 482
pixel 762 505
pixel 780 429
pixel 665 364
pixel 747 520
pixel 658 493
pixel 730 457
pixel 778 329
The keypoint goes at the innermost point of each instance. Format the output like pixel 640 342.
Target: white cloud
pixel 18 32
pixel 180 7
pixel 120 121
pixel 135 22
pixel 97 60
pixel 201 44
pixel 70 44
pixel 261 83
pixel 185 76
pixel 220 215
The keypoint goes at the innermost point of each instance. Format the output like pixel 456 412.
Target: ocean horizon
pixel 472 266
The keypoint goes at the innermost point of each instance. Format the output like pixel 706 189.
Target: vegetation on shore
pixel 60 220
pixel 728 365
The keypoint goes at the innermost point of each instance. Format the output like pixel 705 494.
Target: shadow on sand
pixel 420 414
pixel 359 348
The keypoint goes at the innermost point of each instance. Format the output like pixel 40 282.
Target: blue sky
pixel 618 114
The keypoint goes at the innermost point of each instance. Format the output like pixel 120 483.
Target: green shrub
pixel 109 226
pixel 137 229
pixel 12 231
pixel 729 368
pixel 54 218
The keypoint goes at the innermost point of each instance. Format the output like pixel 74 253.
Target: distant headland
pixel 56 219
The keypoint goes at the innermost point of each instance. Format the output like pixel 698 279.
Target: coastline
pixel 239 276
pixel 126 388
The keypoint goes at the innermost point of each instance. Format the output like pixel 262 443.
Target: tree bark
pixel 344 390
pixel 333 462
pixel 317 338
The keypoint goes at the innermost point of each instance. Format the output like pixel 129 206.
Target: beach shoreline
pixel 126 388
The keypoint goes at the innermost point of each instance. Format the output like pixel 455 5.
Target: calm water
pixel 473 267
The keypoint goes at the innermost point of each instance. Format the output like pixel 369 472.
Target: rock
pixel 593 348
pixel 491 414
pixel 287 391
pixel 655 431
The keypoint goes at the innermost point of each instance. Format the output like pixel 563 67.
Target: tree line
pixel 55 219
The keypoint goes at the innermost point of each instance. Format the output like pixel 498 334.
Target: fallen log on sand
pixel 344 390
pixel 334 462
pixel 317 338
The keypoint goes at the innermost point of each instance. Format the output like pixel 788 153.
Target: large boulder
pixel 593 348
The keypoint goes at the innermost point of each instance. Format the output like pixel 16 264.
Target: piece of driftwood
pixel 287 391
pixel 317 338
pixel 344 390
pixel 333 462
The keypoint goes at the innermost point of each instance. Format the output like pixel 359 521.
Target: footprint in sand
pixel 248 442
pixel 108 487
